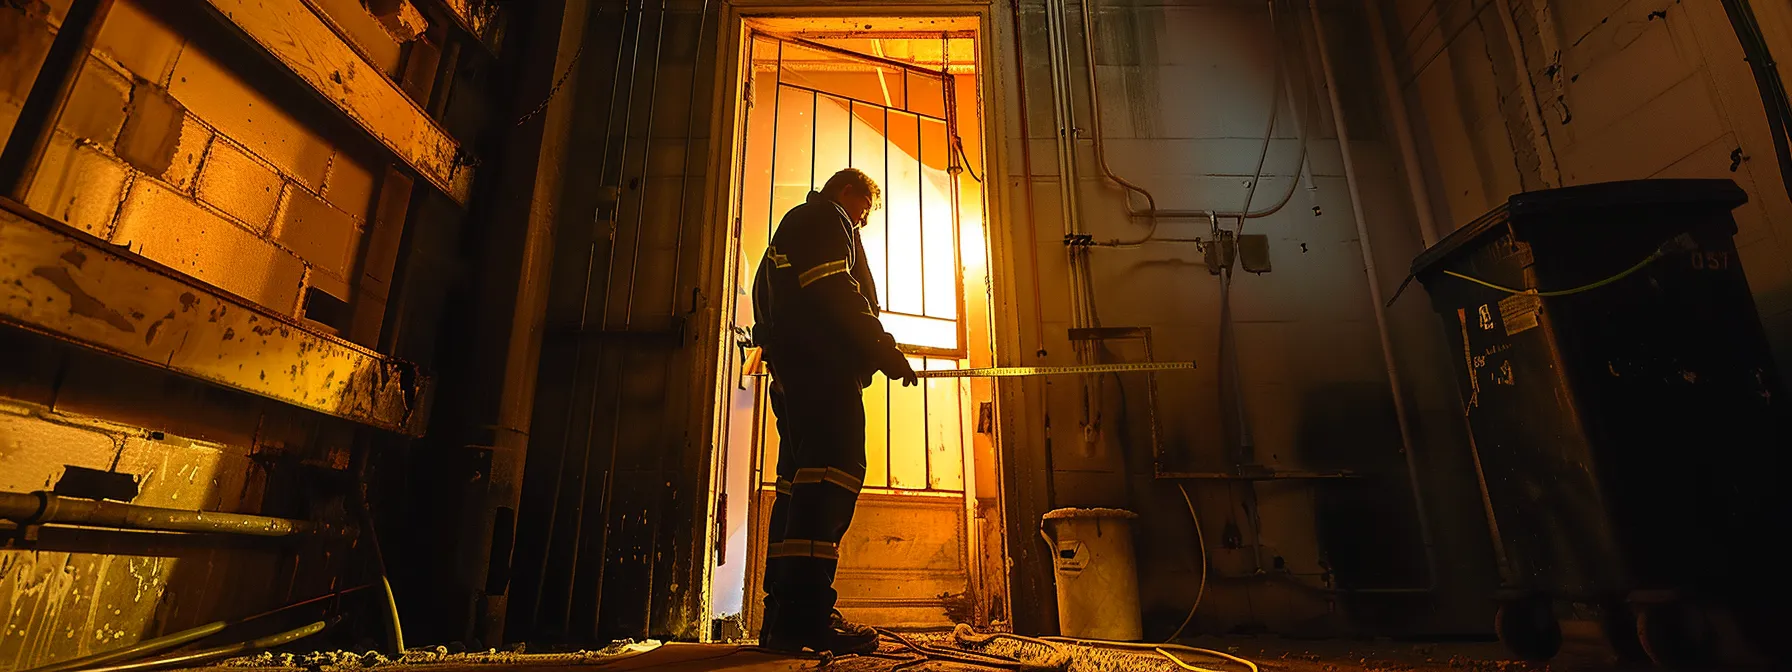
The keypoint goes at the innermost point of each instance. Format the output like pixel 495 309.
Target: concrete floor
pixel 1271 655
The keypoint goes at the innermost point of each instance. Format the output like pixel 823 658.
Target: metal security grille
pixel 815 110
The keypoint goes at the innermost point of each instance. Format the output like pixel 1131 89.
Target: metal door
pixel 908 557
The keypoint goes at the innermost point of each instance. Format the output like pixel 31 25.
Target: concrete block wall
pixel 1624 90
pixel 168 150
pixel 186 445
pixel 1186 95
pixel 177 148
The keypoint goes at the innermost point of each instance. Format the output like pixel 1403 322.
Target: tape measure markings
pixel 1018 371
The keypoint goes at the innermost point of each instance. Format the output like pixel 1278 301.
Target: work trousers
pixel 821 467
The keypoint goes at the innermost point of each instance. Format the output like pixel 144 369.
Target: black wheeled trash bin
pixel 1625 412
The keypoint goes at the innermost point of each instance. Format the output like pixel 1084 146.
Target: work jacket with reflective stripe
pixel 814 298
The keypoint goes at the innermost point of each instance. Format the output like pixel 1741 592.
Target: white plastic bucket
pixel 1098 581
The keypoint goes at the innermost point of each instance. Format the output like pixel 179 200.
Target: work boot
pixel 839 636
pixel 838 621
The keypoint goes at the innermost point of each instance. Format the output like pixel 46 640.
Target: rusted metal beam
pixel 71 286
pixel 49 92
pixel 290 32
pixel 476 18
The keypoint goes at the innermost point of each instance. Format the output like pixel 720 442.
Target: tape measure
pixel 1018 371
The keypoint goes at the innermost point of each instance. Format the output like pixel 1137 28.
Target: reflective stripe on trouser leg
pixel 790 436
pixel 821 423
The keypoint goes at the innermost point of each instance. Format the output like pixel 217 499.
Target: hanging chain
pixel 551 92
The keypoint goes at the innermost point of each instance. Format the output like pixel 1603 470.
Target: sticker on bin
pixel 1072 558
pixel 1519 312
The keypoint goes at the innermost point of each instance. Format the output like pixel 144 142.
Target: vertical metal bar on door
pixel 814 128
pixel 771 207
pixel 921 231
pixel 889 390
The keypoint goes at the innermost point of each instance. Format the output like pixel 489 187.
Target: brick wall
pixel 1624 90
pixel 166 150
pixel 215 165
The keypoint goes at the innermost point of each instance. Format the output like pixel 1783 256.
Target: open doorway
pixel 905 106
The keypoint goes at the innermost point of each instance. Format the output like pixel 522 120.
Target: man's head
pixel 856 193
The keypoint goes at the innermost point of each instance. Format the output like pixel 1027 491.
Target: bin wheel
pixel 1617 621
pixel 1676 634
pixel 1529 629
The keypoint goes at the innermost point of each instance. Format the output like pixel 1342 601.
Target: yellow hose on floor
pixel 964 634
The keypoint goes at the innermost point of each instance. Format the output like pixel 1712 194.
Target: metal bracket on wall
pixel 1096 334
pixel 15 536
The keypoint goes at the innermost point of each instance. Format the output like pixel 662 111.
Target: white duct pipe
pixel 1064 113
pixel 1409 153
pixel 1375 300
pixel 1076 266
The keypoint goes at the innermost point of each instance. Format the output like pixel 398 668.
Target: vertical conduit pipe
pixel 1375 300
pixel 603 317
pixel 628 310
pixel 577 364
pixel 1409 153
pixel 1032 228
pixel 1026 167
pixel 1068 184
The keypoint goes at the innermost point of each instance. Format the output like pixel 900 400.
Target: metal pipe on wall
pixel 1026 158
pixel 575 538
pixel 684 169
pixel 1101 156
pixel 1286 91
pixel 1069 184
pixel 1402 122
pixel 628 312
pixel 578 353
pixel 508 308
pixel 30 137
pixel 1026 167
pixel 1401 415
pixel 38 508
pixel 1064 107
pixel 609 480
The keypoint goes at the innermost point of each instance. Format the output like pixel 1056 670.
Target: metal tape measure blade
pixel 1018 371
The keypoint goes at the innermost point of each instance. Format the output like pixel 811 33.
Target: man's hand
pixel 897 368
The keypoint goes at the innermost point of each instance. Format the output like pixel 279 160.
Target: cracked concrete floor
pixel 1271 655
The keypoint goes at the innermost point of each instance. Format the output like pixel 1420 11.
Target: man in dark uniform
pixel 815 316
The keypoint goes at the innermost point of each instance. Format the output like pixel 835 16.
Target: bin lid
pixel 1604 196
pixel 1060 514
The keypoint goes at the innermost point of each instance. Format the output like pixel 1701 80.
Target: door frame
pixel 717 309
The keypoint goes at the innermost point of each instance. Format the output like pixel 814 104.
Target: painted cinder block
pixel 167 227
pixel 241 186
pixel 230 105
pixel 350 185
pixel 195 141
pixel 134 38
pixel 319 233
pixel 95 107
pixel 152 129
pixel 77 184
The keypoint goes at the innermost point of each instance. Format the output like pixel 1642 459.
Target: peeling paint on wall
pixel 74 592
pixel 48 280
